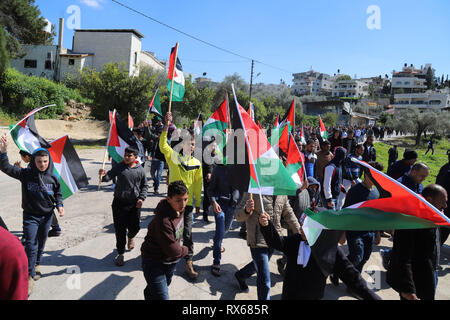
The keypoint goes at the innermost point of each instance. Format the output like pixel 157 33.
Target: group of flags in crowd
pixel 263 173
pixel 67 164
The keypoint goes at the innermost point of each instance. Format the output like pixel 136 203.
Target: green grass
pixel 435 162
pixel 7 119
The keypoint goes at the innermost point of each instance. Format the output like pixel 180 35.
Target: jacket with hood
pixel 332 179
pixel 41 191
pixel 163 240
pixel 131 183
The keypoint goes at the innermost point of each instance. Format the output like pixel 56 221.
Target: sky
pixel 359 37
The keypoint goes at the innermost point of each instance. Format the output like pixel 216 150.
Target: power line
pixel 198 39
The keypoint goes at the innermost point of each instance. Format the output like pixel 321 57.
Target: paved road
pixel 79 264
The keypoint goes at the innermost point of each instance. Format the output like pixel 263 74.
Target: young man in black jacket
pixel 41 194
pixel 129 195
pixel 415 255
pixel 307 281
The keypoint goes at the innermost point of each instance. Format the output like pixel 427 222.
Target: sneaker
pixel 119 261
pixel 54 233
pixel 385 257
pixel 242 285
pixel 38 273
pixel 30 285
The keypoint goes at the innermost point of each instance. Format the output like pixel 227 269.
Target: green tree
pixel 22 21
pixel 412 120
pixel 343 77
pixel 113 88
pixel 430 79
pixel 4 60
pixel 330 119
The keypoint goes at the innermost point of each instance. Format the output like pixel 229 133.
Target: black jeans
pixel 126 217
pixel 187 232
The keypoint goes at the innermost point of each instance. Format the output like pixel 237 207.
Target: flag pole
pixel 173 75
pixel 106 148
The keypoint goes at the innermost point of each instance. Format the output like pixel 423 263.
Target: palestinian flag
pixel 277 121
pixel 25 134
pixel 119 139
pixel 323 130
pixel 218 123
pixel 130 122
pixel 155 105
pixel 280 137
pixel 198 125
pixel 289 118
pixel 176 76
pixel 397 208
pixel 110 116
pixel 302 136
pixel 267 175
pixel 68 167
pixel 295 163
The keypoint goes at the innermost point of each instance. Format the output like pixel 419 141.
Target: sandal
pixel 215 270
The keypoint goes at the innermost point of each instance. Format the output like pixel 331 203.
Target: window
pixel 49 55
pixel 30 64
pixel 71 62
pixel 135 58
pixel 48 65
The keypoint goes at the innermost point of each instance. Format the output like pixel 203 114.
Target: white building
pixel 312 83
pixel 429 100
pixel 40 61
pixel 350 89
pixel 91 49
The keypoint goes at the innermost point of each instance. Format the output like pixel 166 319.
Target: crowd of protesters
pixel 332 182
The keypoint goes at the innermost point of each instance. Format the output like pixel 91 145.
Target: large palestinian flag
pixel 267 175
pixel 68 167
pixel 155 105
pixel 176 76
pixel 25 134
pixel 119 139
pixel 323 130
pixel 295 163
pixel 397 208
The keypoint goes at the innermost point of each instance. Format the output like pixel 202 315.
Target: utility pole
pixel 251 80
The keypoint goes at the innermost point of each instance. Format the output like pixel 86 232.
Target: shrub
pixel 22 93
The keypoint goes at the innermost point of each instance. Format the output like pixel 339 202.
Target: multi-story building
pixel 429 100
pixel 312 83
pixel 354 89
pixel 410 90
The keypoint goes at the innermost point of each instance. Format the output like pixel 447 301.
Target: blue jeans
pixel 260 265
pixel 156 170
pixel 359 247
pixel 223 224
pixel 158 277
pixel 35 231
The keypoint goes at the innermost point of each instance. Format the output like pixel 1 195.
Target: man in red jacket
pixel 162 247
pixel 13 268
